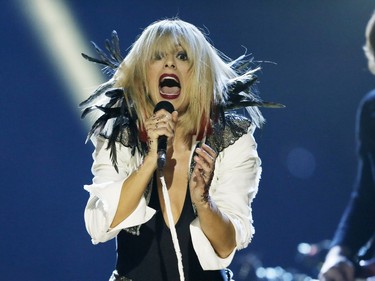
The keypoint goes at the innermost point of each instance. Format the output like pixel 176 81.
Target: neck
pixel 181 140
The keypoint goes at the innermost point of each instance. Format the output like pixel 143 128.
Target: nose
pixel 169 62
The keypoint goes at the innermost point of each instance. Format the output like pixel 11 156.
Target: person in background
pixel 353 239
pixel 185 219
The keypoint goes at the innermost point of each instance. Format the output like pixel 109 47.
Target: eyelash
pixel 180 55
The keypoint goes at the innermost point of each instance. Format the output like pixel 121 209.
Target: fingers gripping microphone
pixel 162 140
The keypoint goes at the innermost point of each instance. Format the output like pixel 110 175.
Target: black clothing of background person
pixel 357 225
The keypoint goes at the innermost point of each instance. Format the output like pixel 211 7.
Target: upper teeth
pixel 169 77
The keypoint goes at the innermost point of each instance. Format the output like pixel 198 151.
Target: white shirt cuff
pixel 207 256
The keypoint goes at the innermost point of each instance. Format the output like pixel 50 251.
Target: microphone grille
pixel 164 105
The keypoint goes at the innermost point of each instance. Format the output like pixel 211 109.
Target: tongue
pixel 170 90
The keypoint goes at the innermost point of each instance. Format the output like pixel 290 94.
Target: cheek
pixel 152 79
pixel 153 92
pixel 153 68
pixel 153 88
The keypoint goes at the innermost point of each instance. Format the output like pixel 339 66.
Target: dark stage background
pixel 307 149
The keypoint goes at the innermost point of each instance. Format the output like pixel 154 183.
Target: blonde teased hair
pixel 210 72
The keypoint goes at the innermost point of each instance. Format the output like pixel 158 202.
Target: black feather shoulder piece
pixel 238 96
pixel 111 61
pixel 241 91
pixel 117 121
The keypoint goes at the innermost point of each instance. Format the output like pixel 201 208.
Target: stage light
pixel 60 36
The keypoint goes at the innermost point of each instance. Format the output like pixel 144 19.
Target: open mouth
pixel 169 86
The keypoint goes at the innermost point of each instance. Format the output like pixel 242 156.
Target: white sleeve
pixel 233 188
pixel 105 192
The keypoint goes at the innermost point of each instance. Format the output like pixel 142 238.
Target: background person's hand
pixel 337 266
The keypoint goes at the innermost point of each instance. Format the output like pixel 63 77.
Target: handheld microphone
pixel 162 140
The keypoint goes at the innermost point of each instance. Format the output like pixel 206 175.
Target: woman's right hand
pixel 161 123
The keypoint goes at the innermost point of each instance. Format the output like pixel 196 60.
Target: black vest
pixel 151 256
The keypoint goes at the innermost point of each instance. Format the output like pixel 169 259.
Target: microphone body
pixel 162 140
pixel 162 152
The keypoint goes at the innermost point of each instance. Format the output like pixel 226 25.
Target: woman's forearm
pixel 133 189
pixel 217 227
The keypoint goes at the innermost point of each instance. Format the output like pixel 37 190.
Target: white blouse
pixel 234 185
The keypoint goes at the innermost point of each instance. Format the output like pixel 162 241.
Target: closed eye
pixel 158 56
